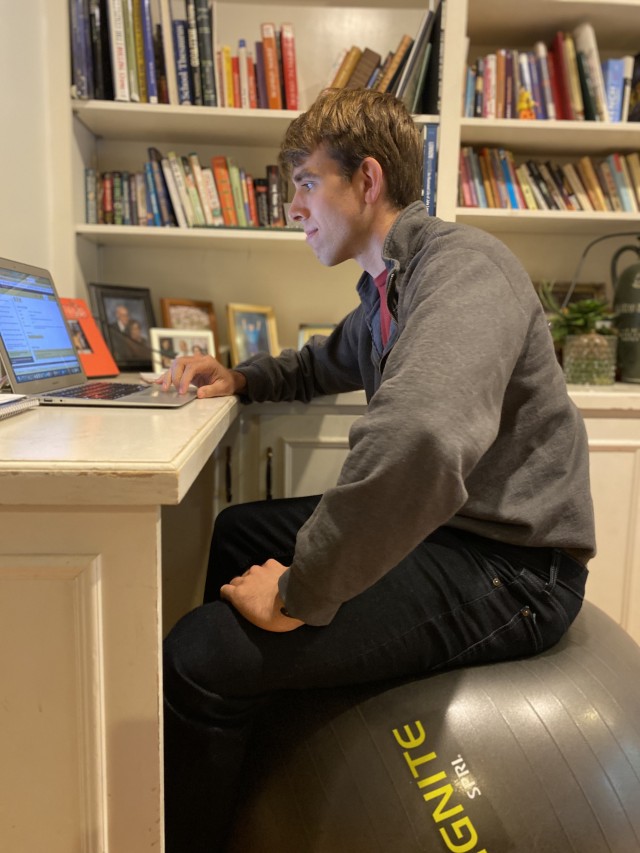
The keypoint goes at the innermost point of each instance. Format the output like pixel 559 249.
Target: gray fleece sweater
pixel 468 423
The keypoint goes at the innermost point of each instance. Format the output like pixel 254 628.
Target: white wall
pixel 24 158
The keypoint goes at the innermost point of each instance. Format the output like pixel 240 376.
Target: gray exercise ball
pixel 541 754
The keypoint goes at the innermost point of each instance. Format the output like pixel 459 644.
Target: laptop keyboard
pixel 100 390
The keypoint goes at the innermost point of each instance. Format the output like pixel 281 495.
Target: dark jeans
pixel 457 599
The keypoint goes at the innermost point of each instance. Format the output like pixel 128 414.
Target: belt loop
pixel 553 571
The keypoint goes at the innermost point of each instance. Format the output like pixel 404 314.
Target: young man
pixel 461 523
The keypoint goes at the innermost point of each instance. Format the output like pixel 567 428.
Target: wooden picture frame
pixel 168 343
pixel 252 329
pixel 125 315
pixel 308 330
pixel 191 314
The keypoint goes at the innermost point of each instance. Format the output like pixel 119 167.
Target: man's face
pixel 330 208
pixel 122 315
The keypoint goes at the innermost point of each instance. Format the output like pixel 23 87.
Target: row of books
pixel 133 50
pixel 176 190
pixel 492 178
pixel 413 71
pixel 565 80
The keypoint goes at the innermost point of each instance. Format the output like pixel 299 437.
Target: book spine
pixel 149 52
pixel 261 81
pixel 575 91
pixel 251 75
pixel 539 106
pixel 204 19
pixel 118 51
pixel 262 201
pixel 133 200
pixel 385 79
pixel 144 214
pixel 271 66
pixel 194 53
pixel 168 52
pixel 253 207
pixel 542 61
pixel 613 75
pixel 223 183
pixel 196 171
pixel 162 194
pixel 633 167
pixel 174 195
pixel 130 47
pixel 274 183
pixel 243 75
pixel 610 185
pixel 591 183
pixel 575 182
pixel 126 205
pixel 212 197
pixel 236 191
pixel 181 52
pixel 81 54
pixel 627 80
pixel 585 41
pixel 138 41
pixel 152 198
pixel 227 76
pixel 430 166
pixel 90 196
pixel 192 190
pixel 289 66
pixel 179 177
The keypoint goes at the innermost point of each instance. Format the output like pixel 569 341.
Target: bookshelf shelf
pixel 133 236
pixel 551 137
pixel 547 222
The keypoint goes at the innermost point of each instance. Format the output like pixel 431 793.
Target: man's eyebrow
pixel 302 175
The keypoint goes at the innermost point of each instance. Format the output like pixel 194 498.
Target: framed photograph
pixel 188 314
pixel 308 330
pixel 582 290
pixel 168 343
pixel 252 329
pixel 126 317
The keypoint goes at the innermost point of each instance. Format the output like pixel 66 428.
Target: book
pixel 192 190
pixel 14 404
pixel 177 170
pixel 587 87
pixel 89 343
pixel 430 166
pixel 623 182
pixel 118 51
pixel 243 75
pixel 524 181
pixel 346 67
pixel 540 183
pixel 525 176
pixel 100 50
pixel 196 171
pixel 149 51
pixel 585 41
pixel 262 200
pixel 634 94
pixel 155 218
pixel 204 26
pixel 561 73
pixel 275 197
pixel 138 43
pixel 592 185
pixel 613 76
pixel 223 183
pixel 413 67
pixel 365 66
pixel 400 54
pixel 633 166
pixel 575 90
pixel 195 74
pixel 81 58
pixel 432 89
pixel 174 195
pixel 181 53
pixel 469 197
pixel 261 83
pixel 289 67
pixel 576 184
pixel 542 61
pixel 211 197
pixel 627 76
pixel 168 51
pixel 609 186
pixel 162 194
pixel 271 66
pixel 130 47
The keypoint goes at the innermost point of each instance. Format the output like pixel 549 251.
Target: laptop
pixel 38 353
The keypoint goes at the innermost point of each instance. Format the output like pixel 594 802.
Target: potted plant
pixel 584 333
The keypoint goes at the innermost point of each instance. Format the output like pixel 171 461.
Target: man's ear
pixel 373 179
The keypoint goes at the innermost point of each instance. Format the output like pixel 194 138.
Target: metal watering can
pixel 626 305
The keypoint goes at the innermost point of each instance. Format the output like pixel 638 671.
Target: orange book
pixel 253 206
pixel 87 338
pixel 271 66
pixel 289 66
pixel 223 185
pixel 405 45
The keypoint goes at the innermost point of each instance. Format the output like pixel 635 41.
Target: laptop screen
pixel 35 343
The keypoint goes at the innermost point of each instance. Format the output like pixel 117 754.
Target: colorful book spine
pixel 138 43
pixel 149 52
pixel 430 166
pixel 613 76
pixel 194 53
pixel 223 183
pixel 168 52
pixel 289 66
pixel 271 66
pixel 181 52
pixel 118 51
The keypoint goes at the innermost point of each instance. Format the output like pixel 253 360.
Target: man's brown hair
pixel 351 124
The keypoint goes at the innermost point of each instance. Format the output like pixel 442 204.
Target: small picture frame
pixel 125 315
pixel 168 343
pixel 252 329
pixel 308 330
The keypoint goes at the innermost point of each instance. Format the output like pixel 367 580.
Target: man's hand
pixel 256 596
pixel 210 377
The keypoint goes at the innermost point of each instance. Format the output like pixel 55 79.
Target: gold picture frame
pixel 308 330
pixel 252 329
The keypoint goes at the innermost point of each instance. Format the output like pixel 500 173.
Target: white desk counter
pixel 84 496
